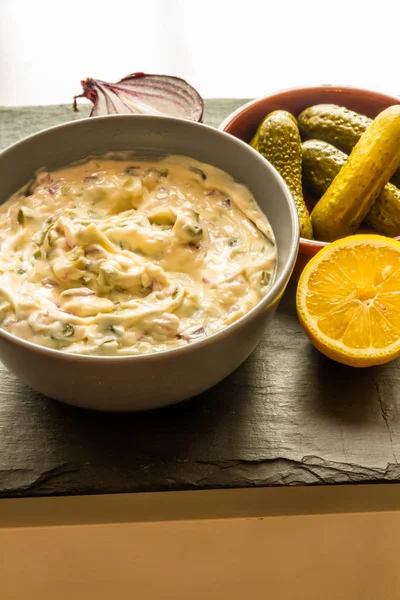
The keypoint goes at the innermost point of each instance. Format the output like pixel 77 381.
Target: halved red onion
pixel 141 93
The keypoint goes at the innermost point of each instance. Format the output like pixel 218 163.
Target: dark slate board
pixel 288 416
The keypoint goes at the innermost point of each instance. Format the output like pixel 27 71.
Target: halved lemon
pixel 348 300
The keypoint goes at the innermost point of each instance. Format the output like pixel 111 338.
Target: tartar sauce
pixel 116 257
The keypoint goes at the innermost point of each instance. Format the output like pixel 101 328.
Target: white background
pixel 238 48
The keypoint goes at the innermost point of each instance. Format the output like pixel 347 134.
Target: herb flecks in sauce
pixel 118 258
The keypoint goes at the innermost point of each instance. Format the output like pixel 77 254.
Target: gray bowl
pixel 155 380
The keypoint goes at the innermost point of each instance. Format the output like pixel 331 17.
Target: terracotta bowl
pixel 243 122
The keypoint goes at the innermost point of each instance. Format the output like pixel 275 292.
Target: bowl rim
pixel 301 88
pixel 272 295
pixel 304 242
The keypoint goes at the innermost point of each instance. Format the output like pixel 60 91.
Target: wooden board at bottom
pixel 307 556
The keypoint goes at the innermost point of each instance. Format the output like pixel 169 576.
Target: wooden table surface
pixel 288 416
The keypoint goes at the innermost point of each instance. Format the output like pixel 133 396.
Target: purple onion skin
pixel 141 93
pixel 192 334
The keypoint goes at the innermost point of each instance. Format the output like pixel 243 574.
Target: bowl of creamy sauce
pixel 130 257
pixel 142 259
